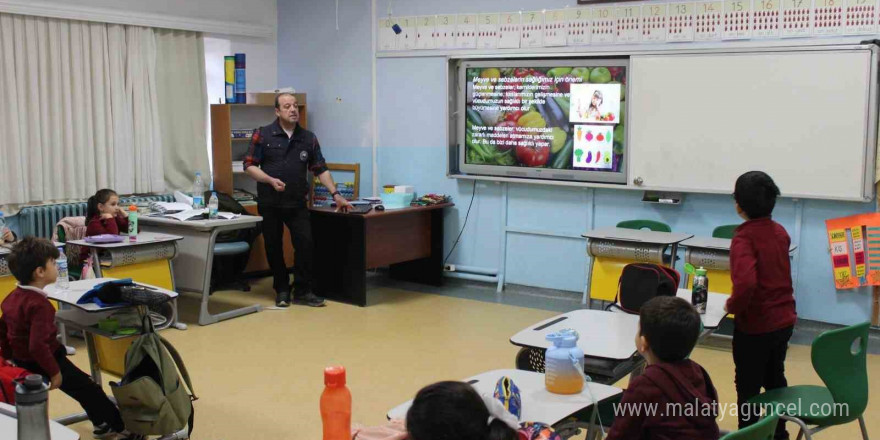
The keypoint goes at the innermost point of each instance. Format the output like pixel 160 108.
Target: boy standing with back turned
pixel 763 298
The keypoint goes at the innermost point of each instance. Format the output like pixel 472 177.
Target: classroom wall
pixel 543 247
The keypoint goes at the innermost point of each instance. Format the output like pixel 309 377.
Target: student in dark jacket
pixel 762 301
pixel 674 398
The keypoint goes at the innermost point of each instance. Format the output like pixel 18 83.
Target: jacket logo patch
pixel 304 156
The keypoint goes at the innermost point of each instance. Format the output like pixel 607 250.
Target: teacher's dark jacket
pixel 288 159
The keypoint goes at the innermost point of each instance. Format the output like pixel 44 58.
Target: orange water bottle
pixel 336 405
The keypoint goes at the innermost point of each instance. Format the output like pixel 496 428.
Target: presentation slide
pixel 568 118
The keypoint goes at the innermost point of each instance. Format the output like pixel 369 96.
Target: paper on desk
pixel 199 214
pixel 183 198
pixel 170 207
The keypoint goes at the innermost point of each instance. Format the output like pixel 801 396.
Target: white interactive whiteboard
pixel 806 116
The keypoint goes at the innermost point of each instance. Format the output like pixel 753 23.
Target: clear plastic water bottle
pixel 63 280
pixel 198 192
pixel 213 206
pixel 564 363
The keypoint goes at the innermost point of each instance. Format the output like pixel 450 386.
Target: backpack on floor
pixel 8 376
pixel 639 282
pixel 151 398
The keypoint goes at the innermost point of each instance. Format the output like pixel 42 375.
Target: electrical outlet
pixel 449 268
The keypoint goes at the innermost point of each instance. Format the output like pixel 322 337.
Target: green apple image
pixel 582 72
pixel 600 75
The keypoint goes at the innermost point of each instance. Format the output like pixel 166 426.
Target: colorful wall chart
pixel 855 250
pixel 625 23
pixel 593 146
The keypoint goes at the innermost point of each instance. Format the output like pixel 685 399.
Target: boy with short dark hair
pixel 763 298
pixel 674 398
pixel 28 335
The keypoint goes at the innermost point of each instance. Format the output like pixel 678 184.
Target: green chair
pixel 763 430
pixel 725 231
pixel 645 224
pixel 840 359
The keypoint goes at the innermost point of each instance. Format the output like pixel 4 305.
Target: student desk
pixel 713 254
pixel 192 268
pixel 146 259
pixel 9 426
pixel 612 248
pixel 410 240
pixel 607 339
pixel 538 404
pixel 85 317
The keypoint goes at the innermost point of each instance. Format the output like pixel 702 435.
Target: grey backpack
pixel 151 398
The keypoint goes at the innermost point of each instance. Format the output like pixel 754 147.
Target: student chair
pixel 725 231
pixel 227 256
pixel 645 224
pixel 763 430
pixel 840 359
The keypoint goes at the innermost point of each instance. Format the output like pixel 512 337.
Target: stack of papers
pixel 200 214
pixel 169 207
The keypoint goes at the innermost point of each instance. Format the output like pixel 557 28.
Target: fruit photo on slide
pixel 519 116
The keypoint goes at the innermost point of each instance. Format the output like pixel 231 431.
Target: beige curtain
pixel 90 105
pixel 183 106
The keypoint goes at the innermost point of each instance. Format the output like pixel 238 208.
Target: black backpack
pixel 639 282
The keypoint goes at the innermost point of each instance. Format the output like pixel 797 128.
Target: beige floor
pixel 260 376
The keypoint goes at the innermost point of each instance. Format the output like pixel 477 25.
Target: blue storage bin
pixel 396 200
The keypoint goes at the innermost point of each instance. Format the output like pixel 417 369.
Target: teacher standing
pixel 279 159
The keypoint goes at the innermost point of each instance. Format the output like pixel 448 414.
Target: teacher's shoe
pixel 282 299
pixel 309 299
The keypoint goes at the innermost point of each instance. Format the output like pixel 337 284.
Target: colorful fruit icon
pixel 578 153
pixel 601 137
pixel 598 155
pixel 579 133
pixel 607 159
pixel 589 136
pixel 589 156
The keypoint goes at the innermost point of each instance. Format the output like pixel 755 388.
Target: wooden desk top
pixel 385 213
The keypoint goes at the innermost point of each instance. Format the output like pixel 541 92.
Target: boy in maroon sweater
pixel 28 335
pixel 674 398
pixel 762 299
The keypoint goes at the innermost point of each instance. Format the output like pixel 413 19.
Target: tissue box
pixel 404 189
pixel 396 200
